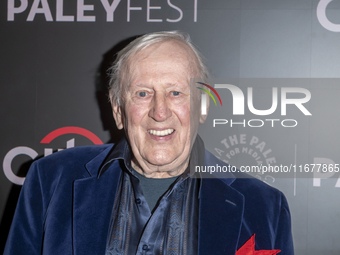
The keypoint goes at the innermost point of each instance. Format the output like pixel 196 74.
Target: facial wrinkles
pixel 159 75
pixel 188 57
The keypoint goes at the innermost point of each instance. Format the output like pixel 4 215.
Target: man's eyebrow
pixel 141 85
pixel 177 84
pixel 168 85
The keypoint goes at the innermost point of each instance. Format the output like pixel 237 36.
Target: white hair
pixel 119 72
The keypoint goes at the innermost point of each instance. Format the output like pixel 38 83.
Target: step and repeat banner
pixel 275 66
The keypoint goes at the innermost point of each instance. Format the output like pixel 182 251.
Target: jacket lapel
pixel 220 212
pixel 220 218
pixel 92 207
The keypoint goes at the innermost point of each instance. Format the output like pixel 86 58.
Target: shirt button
pixel 145 247
pixel 138 201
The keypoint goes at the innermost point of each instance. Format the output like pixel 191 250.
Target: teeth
pixel 161 132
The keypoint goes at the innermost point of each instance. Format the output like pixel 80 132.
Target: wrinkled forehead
pixel 177 51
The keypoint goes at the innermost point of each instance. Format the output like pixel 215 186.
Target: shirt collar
pixel 121 150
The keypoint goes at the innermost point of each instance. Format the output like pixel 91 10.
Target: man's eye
pixel 175 93
pixel 142 94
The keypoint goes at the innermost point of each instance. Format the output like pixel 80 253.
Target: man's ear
pixel 117 115
pixel 204 117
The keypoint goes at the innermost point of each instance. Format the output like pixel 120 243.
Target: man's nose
pixel 160 110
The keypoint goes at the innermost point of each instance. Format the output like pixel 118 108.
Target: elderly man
pixel 138 197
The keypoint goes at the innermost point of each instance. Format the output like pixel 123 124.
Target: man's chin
pixel 167 161
pixel 160 162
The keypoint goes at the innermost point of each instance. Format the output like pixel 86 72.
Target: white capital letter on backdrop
pixel 238 97
pixel 7 164
pixel 204 104
pixel 45 9
pixel 11 10
pixel 81 8
pixel 129 8
pixel 220 121
pixel 110 9
pixel 178 9
pixel 148 8
pixel 317 176
pixel 262 112
pixel 324 21
pixel 60 12
pixel 298 101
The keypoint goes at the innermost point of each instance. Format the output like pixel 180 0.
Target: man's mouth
pixel 161 132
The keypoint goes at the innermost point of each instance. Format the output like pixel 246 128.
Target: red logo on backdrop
pixel 71 130
pixel 23 150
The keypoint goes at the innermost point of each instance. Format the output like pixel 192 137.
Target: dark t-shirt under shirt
pixel 154 188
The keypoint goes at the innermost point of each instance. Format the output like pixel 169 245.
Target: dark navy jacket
pixel 64 208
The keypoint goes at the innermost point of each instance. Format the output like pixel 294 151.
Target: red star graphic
pixel 249 249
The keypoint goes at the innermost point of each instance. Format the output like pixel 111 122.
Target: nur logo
pixel 204 97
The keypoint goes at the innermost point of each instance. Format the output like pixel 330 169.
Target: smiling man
pixel 138 196
pixel 157 108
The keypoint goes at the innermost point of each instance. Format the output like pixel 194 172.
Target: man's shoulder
pixel 69 163
pixel 262 203
pixel 256 189
pixel 76 154
pixel 249 186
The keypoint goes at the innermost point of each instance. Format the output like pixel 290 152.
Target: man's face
pixel 157 109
